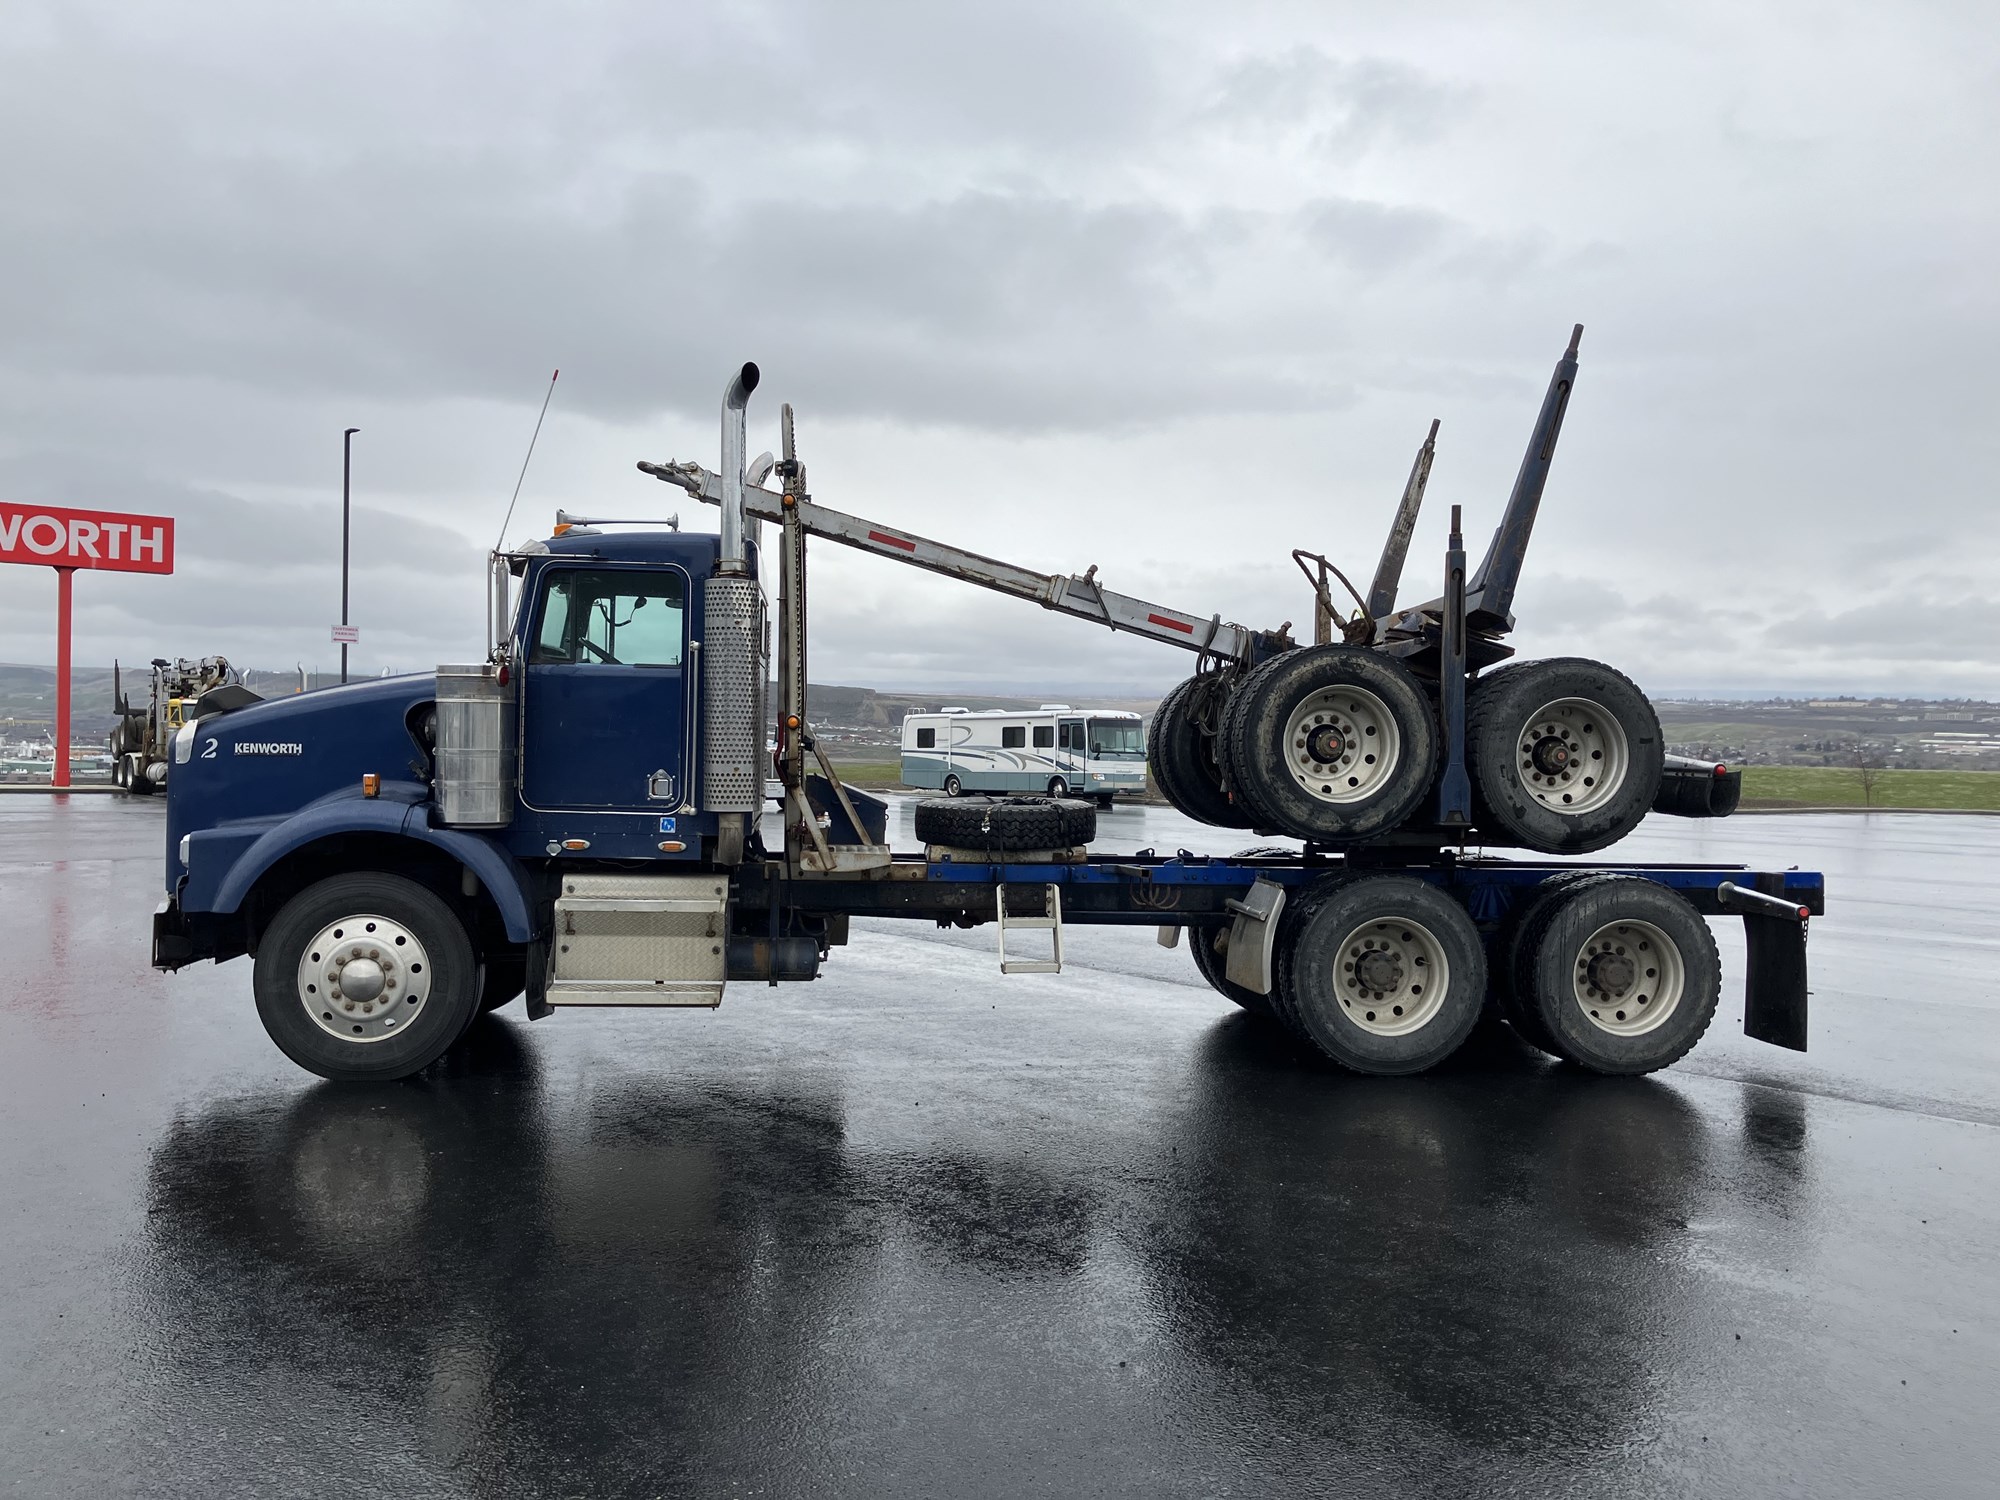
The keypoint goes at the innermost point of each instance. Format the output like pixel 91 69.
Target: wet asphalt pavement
pixel 915 1229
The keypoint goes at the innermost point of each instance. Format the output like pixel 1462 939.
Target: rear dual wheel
pixel 1614 973
pixel 1210 948
pixel 1385 974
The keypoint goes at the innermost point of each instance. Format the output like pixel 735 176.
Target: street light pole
pixel 346 474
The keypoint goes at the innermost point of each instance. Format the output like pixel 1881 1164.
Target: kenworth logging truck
pixel 578 816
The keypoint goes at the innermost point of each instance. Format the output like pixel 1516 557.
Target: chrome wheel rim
pixel 364 978
pixel 1628 978
pixel 1572 756
pixel 1342 744
pixel 1393 976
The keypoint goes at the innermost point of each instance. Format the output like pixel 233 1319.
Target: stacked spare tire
pixel 1340 746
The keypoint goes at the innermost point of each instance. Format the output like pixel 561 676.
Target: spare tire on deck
pixel 1006 823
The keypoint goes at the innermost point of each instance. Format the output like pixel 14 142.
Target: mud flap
pixel 1253 937
pixel 1774 999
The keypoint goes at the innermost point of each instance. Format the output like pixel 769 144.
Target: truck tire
pixel 953 787
pixel 1006 823
pixel 1509 981
pixel 1565 755
pixel 1623 974
pixel 1385 974
pixel 1332 744
pixel 1210 947
pixel 1182 753
pixel 413 980
pixel 1058 787
pixel 502 977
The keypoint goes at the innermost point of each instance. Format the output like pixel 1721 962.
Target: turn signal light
pixel 371 785
pixel 671 846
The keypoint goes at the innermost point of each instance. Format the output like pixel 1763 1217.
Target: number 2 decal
pixel 208 748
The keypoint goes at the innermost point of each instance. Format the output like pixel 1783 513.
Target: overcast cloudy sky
pixel 1167 288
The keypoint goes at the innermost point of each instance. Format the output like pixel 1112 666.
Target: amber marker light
pixel 371 785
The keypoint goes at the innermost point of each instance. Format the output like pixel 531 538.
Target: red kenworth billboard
pixel 108 539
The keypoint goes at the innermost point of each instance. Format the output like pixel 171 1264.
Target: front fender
pixel 495 869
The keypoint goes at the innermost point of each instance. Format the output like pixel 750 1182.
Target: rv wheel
pixel 1058 787
pixel 953 787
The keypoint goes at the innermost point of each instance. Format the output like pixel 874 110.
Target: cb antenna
pixel 502 541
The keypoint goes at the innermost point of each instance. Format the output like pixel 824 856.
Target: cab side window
pixel 611 617
pixel 927 739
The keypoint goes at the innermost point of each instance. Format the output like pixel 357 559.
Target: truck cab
pixel 578 745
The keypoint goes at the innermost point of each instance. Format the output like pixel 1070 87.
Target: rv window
pixel 1013 737
pixel 1117 739
pixel 927 739
pixel 1045 736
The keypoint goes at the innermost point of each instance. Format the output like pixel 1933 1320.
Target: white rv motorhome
pixel 1064 751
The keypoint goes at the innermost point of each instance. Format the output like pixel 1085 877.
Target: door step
pixel 640 940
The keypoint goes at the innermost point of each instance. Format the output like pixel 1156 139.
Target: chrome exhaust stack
pixel 732 651
pixel 738 532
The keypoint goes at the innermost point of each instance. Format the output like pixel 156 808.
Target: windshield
pixel 1117 739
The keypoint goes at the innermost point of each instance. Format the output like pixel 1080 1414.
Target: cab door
pixel 604 709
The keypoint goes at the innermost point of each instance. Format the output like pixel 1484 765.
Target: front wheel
pixel 1058 787
pixel 502 977
pixel 366 977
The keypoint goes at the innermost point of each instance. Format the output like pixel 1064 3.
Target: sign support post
pixel 59 777
pixel 346 471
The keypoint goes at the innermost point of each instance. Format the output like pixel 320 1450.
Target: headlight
pixel 184 743
pixel 186 840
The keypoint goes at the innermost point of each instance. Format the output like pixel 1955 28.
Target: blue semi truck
pixel 580 819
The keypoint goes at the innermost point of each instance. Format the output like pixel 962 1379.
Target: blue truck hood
pixel 274 757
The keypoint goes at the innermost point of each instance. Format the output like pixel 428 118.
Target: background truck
pixel 580 816
pixel 1092 753
pixel 140 740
